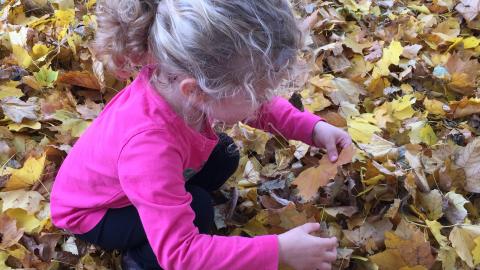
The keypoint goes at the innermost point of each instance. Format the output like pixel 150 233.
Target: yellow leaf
pixel 362 127
pixel 19 252
pixel 18 41
pixel 64 17
pixel 476 251
pixel 252 139
pixel 471 42
pixel 427 135
pixel 423 9
pixel 71 122
pixel 39 50
pixel 354 45
pixel 391 56
pixel 406 88
pixel 24 124
pixel 324 83
pixel 29 223
pixel 401 108
pixel 435 227
pixel 462 239
pixel 434 106
pixel 91 3
pixel 30 173
pixel 3 258
pixel 10 89
pixel 420 132
pixel 314 102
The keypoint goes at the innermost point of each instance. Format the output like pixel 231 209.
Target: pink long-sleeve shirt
pixel 136 152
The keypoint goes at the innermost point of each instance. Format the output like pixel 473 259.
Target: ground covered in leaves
pixel 400 76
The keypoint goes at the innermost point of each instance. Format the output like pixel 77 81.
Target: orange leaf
pixel 80 78
pixel 310 180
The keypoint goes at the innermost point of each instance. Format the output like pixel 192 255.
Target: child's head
pixel 215 55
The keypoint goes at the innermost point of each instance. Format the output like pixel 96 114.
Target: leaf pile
pixel 51 88
pixel 400 76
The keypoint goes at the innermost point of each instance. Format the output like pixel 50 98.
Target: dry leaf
pixel 310 180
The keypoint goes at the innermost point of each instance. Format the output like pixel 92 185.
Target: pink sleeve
pixel 279 116
pixel 150 173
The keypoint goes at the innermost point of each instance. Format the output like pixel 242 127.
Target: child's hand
pixel 300 250
pixel 330 137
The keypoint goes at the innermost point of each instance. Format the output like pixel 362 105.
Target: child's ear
pixel 189 88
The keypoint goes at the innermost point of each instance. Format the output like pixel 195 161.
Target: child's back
pixel 91 165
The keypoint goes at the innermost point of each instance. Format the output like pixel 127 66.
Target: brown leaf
pixel 405 247
pixel 9 233
pixel 469 160
pixel 338 63
pixel 375 52
pixel 80 78
pixel 464 74
pixel 310 180
pixel 464 107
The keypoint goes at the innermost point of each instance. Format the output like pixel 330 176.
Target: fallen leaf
pixel 310 180
pixel 27 200
pixel 469 160
pixel 462 239
pixel 9 232
pixel 80 78
pixel 455 210
pixel 30 173
pixel 17 109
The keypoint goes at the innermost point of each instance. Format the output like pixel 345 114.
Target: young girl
pixel 138 179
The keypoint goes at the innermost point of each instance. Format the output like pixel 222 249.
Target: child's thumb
pixel 332 152
pixel 310 227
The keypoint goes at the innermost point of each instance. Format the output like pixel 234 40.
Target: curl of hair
pixel 121 40
pixel 227 46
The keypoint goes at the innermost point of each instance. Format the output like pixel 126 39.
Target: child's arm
pixel 150 173
pixel 280 117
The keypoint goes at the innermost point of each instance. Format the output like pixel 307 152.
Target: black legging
pixel 122 229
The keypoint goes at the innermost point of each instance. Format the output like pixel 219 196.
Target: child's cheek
pixel 231 112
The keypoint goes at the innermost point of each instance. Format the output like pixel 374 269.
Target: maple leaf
pixel 310 180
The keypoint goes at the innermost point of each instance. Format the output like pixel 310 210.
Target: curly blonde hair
pixel 227 46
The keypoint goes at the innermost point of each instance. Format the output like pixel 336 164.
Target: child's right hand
pixel 301 250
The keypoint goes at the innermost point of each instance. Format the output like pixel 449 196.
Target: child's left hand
pixel 330 137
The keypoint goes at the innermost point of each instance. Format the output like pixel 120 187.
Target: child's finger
pixel 345 142
pixel 310 227
pixel 332 152
pixel 324 266
pixel 328 244
pixel 330 256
